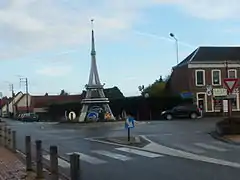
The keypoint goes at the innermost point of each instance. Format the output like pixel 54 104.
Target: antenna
pixel 92 23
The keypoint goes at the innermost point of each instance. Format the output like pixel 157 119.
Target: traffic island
pixel 228 130
pixel 136 141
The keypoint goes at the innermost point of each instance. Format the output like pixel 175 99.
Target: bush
pixel 228 126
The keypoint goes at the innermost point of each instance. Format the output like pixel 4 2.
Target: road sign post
pixel 129 124
pixel 230 84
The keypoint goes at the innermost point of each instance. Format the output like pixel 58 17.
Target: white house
pixel 9 107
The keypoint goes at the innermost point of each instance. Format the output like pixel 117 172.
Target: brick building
pixel 207 67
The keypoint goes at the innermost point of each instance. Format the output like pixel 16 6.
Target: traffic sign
pixel 129 123
pixel 92 116
pixel 72 115
pixel 230 83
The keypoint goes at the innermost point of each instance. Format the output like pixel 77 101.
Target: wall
pixel 179 80
pixel 23 100
pixel 17 97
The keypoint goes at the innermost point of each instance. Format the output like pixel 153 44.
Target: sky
pixel 48 41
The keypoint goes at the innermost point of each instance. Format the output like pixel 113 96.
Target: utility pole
pixel 13 96
pixel 25 82
pixel 229 100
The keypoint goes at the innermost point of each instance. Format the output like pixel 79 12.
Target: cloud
pixel 34 26
pixel 29 26
pixel 163 38
pixel 207 9
pixel 54 71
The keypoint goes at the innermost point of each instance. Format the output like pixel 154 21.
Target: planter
pixel 228 126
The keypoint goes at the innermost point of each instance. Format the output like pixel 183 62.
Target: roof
pixel 42 101
pixel 212 53
pixel 9 100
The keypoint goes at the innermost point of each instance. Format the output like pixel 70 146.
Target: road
pixel 179 150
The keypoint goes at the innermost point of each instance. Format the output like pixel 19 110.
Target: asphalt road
pixel 179 150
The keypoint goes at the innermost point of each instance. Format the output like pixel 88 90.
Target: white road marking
pixel 211 147
pixel 190 148
pixel 89 159
pixel 226 145
pixel 112 155
pixel 138 152
pixel 157 148
pixel 61 162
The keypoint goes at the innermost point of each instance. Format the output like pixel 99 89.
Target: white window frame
pixel 220 77
pixel 235 72
pixel 203 71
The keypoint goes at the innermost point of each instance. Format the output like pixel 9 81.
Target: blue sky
pixel 48 41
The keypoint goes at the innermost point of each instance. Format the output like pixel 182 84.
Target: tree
pixel 46 94
pixel 156 89
pixel 63 93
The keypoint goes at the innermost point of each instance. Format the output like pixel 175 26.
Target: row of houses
pixel 36 104
pixel 204 69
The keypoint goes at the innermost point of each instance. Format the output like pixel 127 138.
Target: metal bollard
pixel 9 140
pixel 75 166
pixel 5 136
pixel 54 162
pixel 39 168
pixel 28 152
pixel 1 134
pixel 14 141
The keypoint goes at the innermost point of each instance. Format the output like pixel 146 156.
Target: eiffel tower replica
pixel 94 95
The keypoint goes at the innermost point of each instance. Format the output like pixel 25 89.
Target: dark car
pixel 29 117
pixel 182 111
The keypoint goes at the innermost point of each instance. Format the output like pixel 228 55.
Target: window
pixel 217 104
pixel 200 77
pixel 234 102
pixel 232 73
pixel 216 77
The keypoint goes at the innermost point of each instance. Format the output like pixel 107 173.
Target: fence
pixel 8 140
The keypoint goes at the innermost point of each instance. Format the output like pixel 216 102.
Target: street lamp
pixel 176 41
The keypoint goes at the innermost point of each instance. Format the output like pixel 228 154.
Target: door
pixel 201 104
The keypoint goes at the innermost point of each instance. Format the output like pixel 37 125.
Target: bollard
pixel 1 134
pixel 14 141
pixel 39 168
pixel 5 136
pixel 54 162
pixel 28 153
pixel 9 138
pixel 75 166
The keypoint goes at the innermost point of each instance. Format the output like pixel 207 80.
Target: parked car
pixel 182 111
pixel 29 117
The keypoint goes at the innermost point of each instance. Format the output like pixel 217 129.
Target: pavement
pixel 11 168
pixel 177 150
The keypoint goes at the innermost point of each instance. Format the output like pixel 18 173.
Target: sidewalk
pixel 11 168
pixel 232 138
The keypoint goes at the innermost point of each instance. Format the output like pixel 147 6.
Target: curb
pixel 216 136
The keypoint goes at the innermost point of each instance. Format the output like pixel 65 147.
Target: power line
pixel 25 82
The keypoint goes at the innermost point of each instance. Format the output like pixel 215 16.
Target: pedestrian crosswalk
pixel 99 157
pixel 128 154
pixel 207 147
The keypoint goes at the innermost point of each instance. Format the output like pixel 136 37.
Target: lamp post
pixel 176 41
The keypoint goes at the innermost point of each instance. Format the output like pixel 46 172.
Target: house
pixel 21 105
pixel 203 69
pixel 9 107
pixel 39 104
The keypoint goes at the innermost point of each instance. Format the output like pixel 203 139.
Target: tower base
pixel 93 107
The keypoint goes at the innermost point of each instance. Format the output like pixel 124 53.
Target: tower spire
pixel 93 51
